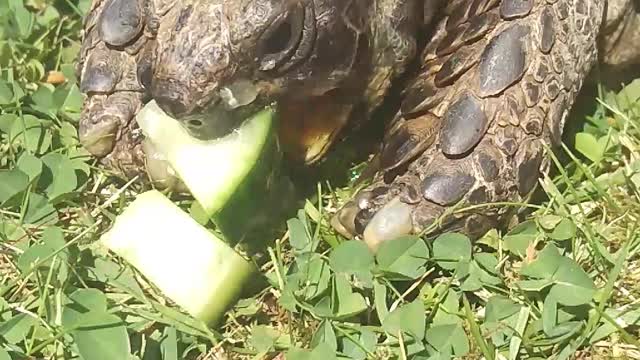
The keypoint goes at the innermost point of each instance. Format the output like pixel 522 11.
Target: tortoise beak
pixel 310 126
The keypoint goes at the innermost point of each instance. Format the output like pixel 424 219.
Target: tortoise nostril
pixel 195 123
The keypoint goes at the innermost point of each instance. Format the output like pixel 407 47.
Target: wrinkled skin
pixel 195 50
pixel 495 83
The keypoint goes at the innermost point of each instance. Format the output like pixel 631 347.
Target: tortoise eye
pixel 279 40
pixel 278 44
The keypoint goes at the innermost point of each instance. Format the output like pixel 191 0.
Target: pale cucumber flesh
pixel 186 262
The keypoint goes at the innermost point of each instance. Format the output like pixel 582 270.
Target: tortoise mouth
pixel 307 127
pixel 310 126
pixel 306 130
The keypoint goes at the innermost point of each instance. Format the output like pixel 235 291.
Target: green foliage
pixel 97 334
pixel 403 259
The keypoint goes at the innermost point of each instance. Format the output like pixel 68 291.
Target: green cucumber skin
pixel 259 203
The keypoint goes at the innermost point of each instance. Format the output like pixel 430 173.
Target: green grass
pixel 565 283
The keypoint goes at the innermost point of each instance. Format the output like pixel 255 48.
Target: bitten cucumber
pixel 236 178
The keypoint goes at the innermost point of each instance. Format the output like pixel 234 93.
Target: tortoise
pixel 485 86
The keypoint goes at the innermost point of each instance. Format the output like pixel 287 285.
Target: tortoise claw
pixel 97 133
pixel 103 118
pixel 344 221
pixel 394 220
pixel 349 220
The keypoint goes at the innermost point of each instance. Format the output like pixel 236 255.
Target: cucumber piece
pixel 236 178
pixel 212 170
pixel 189 264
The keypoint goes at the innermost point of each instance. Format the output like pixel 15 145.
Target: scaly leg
pixel 496 84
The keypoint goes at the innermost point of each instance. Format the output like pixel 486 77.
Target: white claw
pixel 390 223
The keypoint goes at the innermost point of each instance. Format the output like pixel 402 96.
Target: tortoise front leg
pixel 496 84
pixel 117 52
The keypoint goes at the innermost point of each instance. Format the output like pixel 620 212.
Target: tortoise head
pixel 217 62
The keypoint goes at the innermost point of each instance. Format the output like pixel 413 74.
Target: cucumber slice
pixel 212 170
pixel 190 266
pixel 235 178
